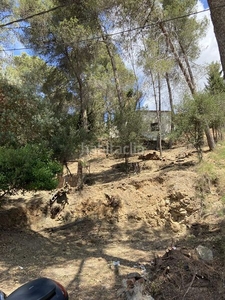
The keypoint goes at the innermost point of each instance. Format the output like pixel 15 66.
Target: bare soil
pixel 148 222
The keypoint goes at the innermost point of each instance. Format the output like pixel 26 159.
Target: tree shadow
pixel 26 255
pixel 77 254
pixel 111 175
pixel 13 217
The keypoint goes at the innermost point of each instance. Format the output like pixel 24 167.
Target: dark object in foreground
pixel 38 289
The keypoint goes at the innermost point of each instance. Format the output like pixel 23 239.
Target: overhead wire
pixel 33 15
pixel 109 34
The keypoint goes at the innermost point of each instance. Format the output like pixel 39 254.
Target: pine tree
pixel 215 82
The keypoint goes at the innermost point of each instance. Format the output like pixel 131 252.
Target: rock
pixel 134 275
pixel 167 202
pixel 175 226
pixel 133 288
pixel 149 156
pixel 183 212
pixel 204 253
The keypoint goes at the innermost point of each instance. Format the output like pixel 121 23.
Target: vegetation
pixel 212 172
pixel 82 82
pixel 217 16
pixel 202 111
pixel 29 167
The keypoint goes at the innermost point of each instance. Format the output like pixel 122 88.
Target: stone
pixel 182 212
pixel 204 253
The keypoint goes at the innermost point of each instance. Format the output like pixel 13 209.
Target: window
pixel 155 126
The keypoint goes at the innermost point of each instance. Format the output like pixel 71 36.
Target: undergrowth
pixel 212 167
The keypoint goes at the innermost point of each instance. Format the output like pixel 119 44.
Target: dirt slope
pixel 131 218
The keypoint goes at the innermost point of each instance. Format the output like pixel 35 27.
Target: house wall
pixel 150 124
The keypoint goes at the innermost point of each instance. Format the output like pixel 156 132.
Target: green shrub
pixel 29 167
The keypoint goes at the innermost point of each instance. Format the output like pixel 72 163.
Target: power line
pixel 64 5
pixel 109 34
pixel 162 21
pixel 17 28
pixel 15 49
pixel 34 15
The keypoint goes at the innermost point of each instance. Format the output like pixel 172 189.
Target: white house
pixel 151 124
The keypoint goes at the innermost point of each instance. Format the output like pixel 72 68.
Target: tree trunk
pixel 188 65
pixel 170 99
pixel 80 181
pixel 171 106
pixel 170 44
pixel 158 111
pixel 188 77
pixel 83 105
pixel 115 73
pixel 159 117
pixel 217 8
pixel 210 139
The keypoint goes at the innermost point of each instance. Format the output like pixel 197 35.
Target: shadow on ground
pixel 78 255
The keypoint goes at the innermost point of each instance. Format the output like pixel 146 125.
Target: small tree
pixel 129 124
pixel 215 82
pixel 192 118
pixel 30 167
pixel 215 87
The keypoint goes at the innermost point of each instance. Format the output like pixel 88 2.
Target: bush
pixel 29 167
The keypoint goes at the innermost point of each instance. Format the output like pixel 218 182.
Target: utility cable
pixel 109 34
pixel 34 15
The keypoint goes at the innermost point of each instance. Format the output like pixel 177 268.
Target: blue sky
pixel 208 53
pixel 205 3
pixel 19 45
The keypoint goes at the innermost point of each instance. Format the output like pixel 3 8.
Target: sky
pixel 208 53
pixel 208 44
pixel 205 3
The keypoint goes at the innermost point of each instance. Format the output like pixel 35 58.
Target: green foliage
pixel 66 138
pixel 215 82
pixel 29 167
pixel 26 68
pixel 213 169
pixel 208 169
pixel 36 112
pixel 81 77
pixel 215 87
pixel 187 30
pixel 129 123
pixel 192 117
pixel 17 109
pixel 6 36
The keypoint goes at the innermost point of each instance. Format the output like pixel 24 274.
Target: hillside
pixel 149 222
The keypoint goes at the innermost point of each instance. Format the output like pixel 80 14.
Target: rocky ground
pixel 124 234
